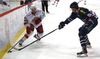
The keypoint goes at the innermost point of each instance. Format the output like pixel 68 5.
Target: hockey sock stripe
pixel 38 35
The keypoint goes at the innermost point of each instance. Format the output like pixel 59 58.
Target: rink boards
pixel 11 26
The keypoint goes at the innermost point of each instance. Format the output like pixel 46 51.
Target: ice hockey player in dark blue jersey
pixel 90 22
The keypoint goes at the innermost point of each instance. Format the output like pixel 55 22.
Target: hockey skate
pixel 36 37
pixel 20 43
pixel 82 53
pixel 47 11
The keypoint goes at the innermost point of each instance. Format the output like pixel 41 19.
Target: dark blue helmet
pixel 74 5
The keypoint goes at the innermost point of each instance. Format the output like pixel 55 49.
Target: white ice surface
pixel 64 43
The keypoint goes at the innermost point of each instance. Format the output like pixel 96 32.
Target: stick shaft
pixel 38 39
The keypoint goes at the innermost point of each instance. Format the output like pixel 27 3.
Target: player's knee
pixel 81 37
pixel 32 28
pixel 28 30
pixel 40 31
pixel 82 33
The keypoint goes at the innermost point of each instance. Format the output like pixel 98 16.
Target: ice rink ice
pixel 64 43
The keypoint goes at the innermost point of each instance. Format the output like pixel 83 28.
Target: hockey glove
pixel 61 25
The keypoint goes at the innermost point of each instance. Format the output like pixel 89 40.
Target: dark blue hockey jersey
pixel 83 13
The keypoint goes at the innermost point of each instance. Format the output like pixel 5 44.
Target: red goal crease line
pixel 9 11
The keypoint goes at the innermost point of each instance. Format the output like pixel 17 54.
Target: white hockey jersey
pixel 36 19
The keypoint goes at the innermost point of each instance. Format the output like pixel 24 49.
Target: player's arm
pixel 68 20
pixel 26 23
pixel 71 18
pixel 41 14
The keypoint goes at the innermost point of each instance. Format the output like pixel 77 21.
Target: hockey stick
pixel 13 47
pixel 38 39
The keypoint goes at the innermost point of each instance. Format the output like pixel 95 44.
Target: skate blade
pixel 82 55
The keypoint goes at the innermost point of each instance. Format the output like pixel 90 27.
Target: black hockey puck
pixel 9 51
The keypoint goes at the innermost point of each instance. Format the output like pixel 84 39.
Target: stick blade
pixel 9 51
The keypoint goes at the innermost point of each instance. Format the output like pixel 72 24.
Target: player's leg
pixel 91 25
pixel 88 44
pixel 83 31
pixel 29 32
pixel 43 8
pixel 46 5
pixel 21 2
pixel 54 2
pixel 82 36
pixel 39 28
pixel 84 2
pixel 39 32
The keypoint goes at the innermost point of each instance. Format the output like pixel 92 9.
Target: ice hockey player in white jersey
pixel 33 20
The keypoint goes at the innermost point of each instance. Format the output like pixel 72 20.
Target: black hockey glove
pixel 61 25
